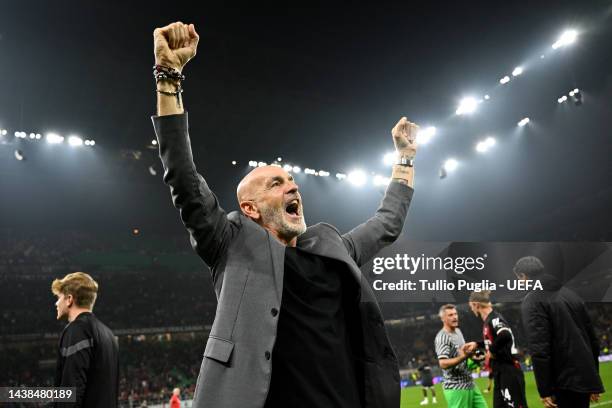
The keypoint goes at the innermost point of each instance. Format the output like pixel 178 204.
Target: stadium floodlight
pixel 467 106
pixel 38 136
pixel 562 99
pixel 323 173
pixel 32 135
pixel 296 169
pixel 390 158
pixel 425 134
pixel 381 180
pixel 357 178
pixel 487 97
pixel 86 142
pixel 154 142
pixel 54 138
pixel 234 162
pixel 19 155
pixel 568 37
pixel 252 163
pixel 152 171
pixel 75 141
pixel 261 164
pixel 504 80
pixel 450 165
pixel 288 168
pixel 279 159
pixel 517 71
pixel 92 142
pixel 309 171
pixel 485 144
pixel 340 176
pixel 523 122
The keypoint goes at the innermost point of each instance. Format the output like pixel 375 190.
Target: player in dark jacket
pixel 508 379
pixel 562 341
pixel 87 357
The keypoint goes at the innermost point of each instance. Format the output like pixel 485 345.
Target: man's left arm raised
pixel 365 240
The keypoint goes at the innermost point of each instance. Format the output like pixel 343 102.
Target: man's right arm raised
pixel 199 208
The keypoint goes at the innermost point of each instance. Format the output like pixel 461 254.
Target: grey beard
pixel 274 217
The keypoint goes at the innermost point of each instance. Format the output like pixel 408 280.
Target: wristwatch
pixel 405 161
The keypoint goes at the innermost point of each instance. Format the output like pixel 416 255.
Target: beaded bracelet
pixel 163 72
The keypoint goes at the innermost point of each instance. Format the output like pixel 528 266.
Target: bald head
pixel 255 181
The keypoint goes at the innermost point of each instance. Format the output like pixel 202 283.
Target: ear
pixel 249 208
pixel 69 300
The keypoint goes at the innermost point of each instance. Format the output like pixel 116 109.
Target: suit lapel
pixel 319 240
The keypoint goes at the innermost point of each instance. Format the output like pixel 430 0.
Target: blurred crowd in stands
pixel 150 288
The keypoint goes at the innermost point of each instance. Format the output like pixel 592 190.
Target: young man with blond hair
pixel 498 340
pixel 87 358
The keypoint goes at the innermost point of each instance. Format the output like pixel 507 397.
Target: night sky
pixel 320 86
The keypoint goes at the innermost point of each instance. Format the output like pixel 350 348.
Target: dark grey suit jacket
pixel 247 265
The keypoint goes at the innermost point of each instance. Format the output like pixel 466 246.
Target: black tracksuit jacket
pixel 88 360
pixel 562 342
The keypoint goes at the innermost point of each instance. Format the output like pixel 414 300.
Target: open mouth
pixel 293 208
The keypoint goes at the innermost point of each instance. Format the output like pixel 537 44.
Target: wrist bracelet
pixel 177 94
pixel 163 72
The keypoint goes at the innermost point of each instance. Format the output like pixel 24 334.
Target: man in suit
pixel 296 323
pixel 562 341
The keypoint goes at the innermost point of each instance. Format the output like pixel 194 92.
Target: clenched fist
pixel 175 45
pixel 404 138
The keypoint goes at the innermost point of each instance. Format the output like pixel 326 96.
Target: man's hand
pixel 470 348
pixel 175 45
pixel 594 397
pixel 548 402
pixel 404 138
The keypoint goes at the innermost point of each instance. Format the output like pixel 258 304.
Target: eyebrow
pixel 278 178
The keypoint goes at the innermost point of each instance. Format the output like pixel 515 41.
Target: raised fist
pixel 404 137
pixel 175 44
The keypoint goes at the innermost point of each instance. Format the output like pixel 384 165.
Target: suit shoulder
pixel 329 226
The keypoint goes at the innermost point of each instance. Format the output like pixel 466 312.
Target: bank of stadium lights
pixel 485 145
pixel 426 134
pixel 487 97
pixel 3 132
pixel 450 165
pixel 504 80
pixel 54 138
pixel 75 141
pixel 340 176
pixel 379 180
pixel 357 178
pixel 467 106
pixel 390 158
pixel 90 142
pixel 568 37
pixel 517 71
pixel 523 122
pixel 562 99
pixel 296 169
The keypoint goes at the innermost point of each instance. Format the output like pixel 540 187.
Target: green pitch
pixel 412 396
